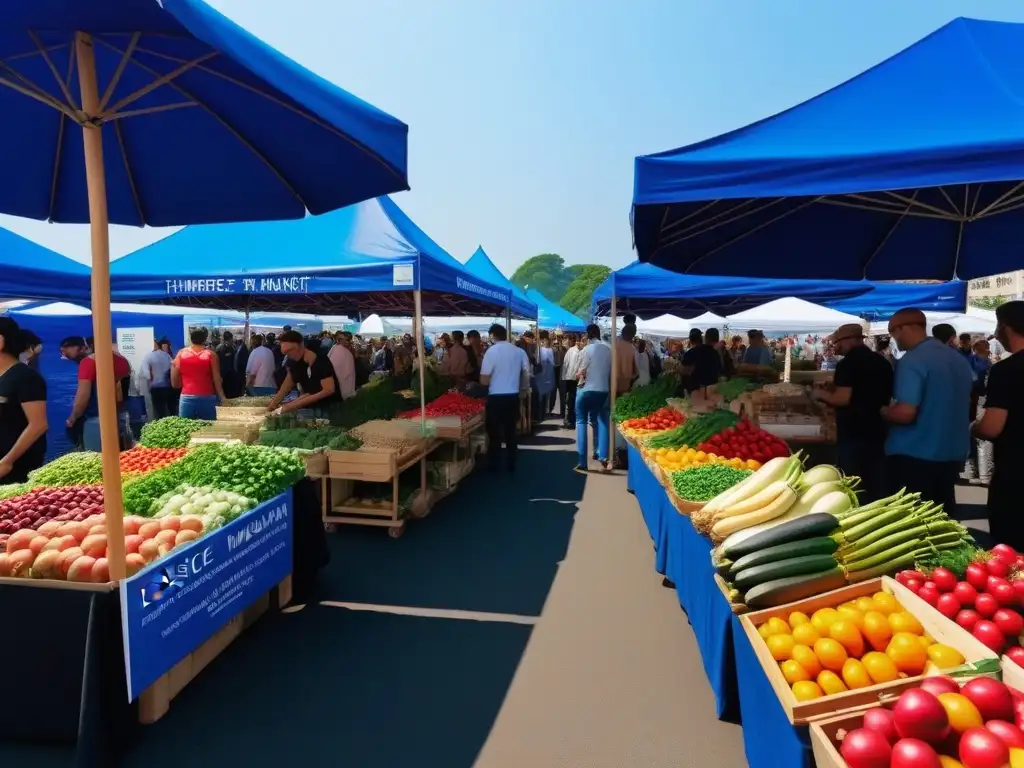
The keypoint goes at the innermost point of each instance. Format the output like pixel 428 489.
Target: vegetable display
pixel 745 441
pixel 733 388
pixel 170 432
pixel 398 436
pixel 645 400
pixel 449 404
pixel 45 504
pixel 696 430
pixel 673 459
pixel 310 438
pixel 705 482
pixel 255 471
pixel 374 400
pixel 215 508
pixel 855 644
pixel 660 420
pixel 940 724
pixel 80 468
pixel 247 402
pixel 142 459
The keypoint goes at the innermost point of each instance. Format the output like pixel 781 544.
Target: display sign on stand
pixel 134 344
pixel 179 602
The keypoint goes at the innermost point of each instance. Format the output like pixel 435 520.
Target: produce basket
pixel 377 465
pixel 683 506
pixel 247 432
pixel 240 413
pixel 937 626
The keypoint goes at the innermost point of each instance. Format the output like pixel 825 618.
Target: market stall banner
pixel 170 608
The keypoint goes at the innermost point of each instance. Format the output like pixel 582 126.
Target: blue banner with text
pixel 179 602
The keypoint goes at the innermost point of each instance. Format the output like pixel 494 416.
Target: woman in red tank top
pixel 196 371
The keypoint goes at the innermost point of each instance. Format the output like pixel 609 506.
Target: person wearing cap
pixel 862 386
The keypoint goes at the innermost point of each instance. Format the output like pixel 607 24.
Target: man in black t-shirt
pixel 1003 424
pixel 313 374
pixel 861 388
pixel 701 363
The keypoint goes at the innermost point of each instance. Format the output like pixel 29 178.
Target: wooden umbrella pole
pixel 104 348
pixel 611 392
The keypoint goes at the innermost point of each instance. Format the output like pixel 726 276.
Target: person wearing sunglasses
pixel 929 435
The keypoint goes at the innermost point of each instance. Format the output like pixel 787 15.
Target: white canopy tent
pixel 664 326
pixel 790 315
pixel 976 325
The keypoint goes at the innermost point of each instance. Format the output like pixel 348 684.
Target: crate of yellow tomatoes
pixel 845 649
pixel 684 457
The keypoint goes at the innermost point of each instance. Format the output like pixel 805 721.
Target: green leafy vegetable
pixel 170 432
pixel 695 430
pixel 705 482
pixel 645 400
pixel 80 468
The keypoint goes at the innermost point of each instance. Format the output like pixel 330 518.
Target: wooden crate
pixel 243 414
pixel 316 463
pixel 373 465
pixel 247 432
pixel 824 737
pixel 935 624
pixel 155 701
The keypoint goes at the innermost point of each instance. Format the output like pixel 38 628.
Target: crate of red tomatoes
pixel 745 441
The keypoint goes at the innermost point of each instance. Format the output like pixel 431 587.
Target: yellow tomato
pixel 907 653
pixel 780 646
pixel 961 711
pixel 765 630
pixel 831 683
pixel 779 626
pixel 806 690
pixel 901 621
pixel 943 656
pixel 805 657
pixel 754 465
pixel 846 632
pixel 877 630
pixel 926 642
pixel 850 613
pixel 804 634
pixel 855 675
pixel 822 618
pixel 865 604
pixel 796 618
pixel 885 603
pixel 1016 759
pixel 880 668
pixel 945 761
pixel 830 653
pixel 793 672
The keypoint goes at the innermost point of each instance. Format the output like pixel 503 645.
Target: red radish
pixel 944 579
pixel 67 557
pixel 980 748
pixel 929 593
pixel 880 720
pixel 1008 733
pixel 986 605
pixel 1009 622
pixel 1005 594
pixel 914 585
pixel 1018 711
pixel 994 581
pixel 914 753
pixel 81 569
pixel 1005 551
pixel 101 571
pixel 1018 587
pixel 95 545
pixel 989 635
pixel 967 618
pixel 133 563
pixel 997 566
pixel 864 748
pixel 1016 655
pixel 992 698
pixel 965 593
pixel 902 577
pixel 977 576
pixel 149 530
pixel 37 544
pixel 939 684
pixel 948 605
pixel 920 715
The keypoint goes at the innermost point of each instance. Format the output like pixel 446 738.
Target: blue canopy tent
pixel 885 299
pixel 910 170
pixel 480 265
pixel 647 291
pixel 30 271
pixel 367 257
pixel 552 316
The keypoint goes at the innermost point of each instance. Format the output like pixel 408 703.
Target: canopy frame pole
pixel 417 297
pixel 612 386
pixel 99 233
pixel 508 321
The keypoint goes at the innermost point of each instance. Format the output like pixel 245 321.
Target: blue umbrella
pixel 167 113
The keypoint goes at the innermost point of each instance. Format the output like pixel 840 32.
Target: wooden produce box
pixel 240 413
pixel 316 463
pixel 936 625
pixel 376 465
pixel 824 737
pixel 247 432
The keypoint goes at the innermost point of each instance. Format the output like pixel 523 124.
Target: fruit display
pixel 745 441
pixel 693 431
pixel 46 504
pixel 861 642
pixel 659 421
pixel 940 724
pixel 449 404
pixel 644 400
pixel 80 468
pixel 141 459
pixel 170 432
pixel 705 482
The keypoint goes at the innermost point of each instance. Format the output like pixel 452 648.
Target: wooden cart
pixel 372 465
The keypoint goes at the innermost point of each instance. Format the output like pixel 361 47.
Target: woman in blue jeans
pixel 592 404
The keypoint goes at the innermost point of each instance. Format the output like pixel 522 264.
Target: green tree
pixel 587 277
pixel 546 273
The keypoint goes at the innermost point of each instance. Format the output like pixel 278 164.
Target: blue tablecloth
pixel 654 505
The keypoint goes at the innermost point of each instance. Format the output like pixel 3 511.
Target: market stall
pixel 885 299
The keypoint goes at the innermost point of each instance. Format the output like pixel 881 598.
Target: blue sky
pixel 525 115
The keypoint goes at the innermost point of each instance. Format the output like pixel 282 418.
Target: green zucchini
pixel 804 527
pixel 749 578
pixel 821 545
pixel 781 591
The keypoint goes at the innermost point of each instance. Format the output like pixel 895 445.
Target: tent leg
pixel 611 392
pixel 417 298
pixel 100 236
pixel 508 322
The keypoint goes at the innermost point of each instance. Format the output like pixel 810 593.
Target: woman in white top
pixel 643 364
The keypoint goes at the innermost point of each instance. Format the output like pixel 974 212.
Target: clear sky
pixel 525 115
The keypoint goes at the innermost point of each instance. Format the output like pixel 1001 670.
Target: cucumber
pixel 749 578
pixel 805 527
pixel 789 590
pixel 821 545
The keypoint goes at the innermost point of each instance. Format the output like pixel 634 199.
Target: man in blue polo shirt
pixel 929 438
